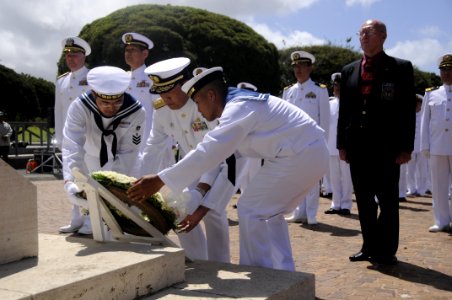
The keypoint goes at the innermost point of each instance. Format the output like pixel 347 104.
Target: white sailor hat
pixel 198 70
pixel 133 38
pixel 336 77
pixel 247 85
pixel 75 44
pixel 108 83
pixel 445 61
pixel 302 57
pixel 195 84
pixel 167 73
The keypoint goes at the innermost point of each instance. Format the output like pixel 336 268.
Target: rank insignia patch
pixel 136 138
pixel 198 125
pixel 142 84
pixel 311 95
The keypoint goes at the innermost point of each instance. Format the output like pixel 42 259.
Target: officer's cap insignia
pixel 70 42
pixel 128 38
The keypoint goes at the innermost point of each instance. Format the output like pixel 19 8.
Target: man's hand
pixel 343 155
pixel 191 221
pixel 403 158
pixel 145 187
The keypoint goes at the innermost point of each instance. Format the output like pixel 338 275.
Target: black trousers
pixel 4 151
pixel 375 180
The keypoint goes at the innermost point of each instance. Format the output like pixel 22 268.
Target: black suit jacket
pixel 387 123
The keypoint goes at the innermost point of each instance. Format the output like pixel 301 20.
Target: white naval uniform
pixel 187 126
pixel 341 180
pixel 139 86
pixel 295 156
pixel 436 137
pixel 67 88
pixel 314 100
pixel 82 141
pixel 417 167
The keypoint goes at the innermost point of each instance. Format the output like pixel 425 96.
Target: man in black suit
pixel 376 135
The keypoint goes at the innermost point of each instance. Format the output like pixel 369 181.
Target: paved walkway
pixel 425 259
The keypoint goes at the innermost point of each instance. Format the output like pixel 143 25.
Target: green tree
pixel 208 39
pixel 27 95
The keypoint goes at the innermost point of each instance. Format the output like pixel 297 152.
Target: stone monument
pixel 18 216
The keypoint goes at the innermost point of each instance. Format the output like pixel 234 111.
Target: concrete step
pixel 79 268
pixel 218 281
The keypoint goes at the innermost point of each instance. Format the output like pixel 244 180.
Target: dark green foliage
pixel 29 97
pixel 208 39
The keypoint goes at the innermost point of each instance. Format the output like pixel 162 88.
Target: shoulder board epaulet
pixel 62 75
pixel 431 88
pixel 285 88
pixel 323 86
pixel 159 103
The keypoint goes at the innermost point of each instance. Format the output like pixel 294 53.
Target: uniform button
pixel 191 147
pixel 447 119
pixel 446 129
pixel 448 109
pixel 183 115
pixel 70 87
pixel 70 98
pixel 185 131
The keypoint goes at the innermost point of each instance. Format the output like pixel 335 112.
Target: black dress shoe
pixel 402 199
pixel 344 212
pixel 360 256
pixel 332 211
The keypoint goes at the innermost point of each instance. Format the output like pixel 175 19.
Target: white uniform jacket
pixel 436 122
pixel 332 132
pixel 139 87
pixel 83 138
pixel 186 126
pixel 312 99
pixel 260 126
pixel 67 88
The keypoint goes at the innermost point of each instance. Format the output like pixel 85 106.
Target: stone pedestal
pixel 18 216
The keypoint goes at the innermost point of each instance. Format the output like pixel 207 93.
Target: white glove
pixel 426 153
pixel 71 188
pixel 194 201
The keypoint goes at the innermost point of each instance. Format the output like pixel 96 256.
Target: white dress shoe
pixel 292 219
pixel 436 228
pixel 86 228
pixel 70 228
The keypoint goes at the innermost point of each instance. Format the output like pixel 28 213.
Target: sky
pixel 31 31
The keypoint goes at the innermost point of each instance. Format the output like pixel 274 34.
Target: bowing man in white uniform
pixel 313 99
pixel 103 130
pixel 341 180
pixel 258 126
pixel 436 142
pixel 68 87
pixel 177 116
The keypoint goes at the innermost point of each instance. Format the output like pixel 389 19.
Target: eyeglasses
pixel 368 32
